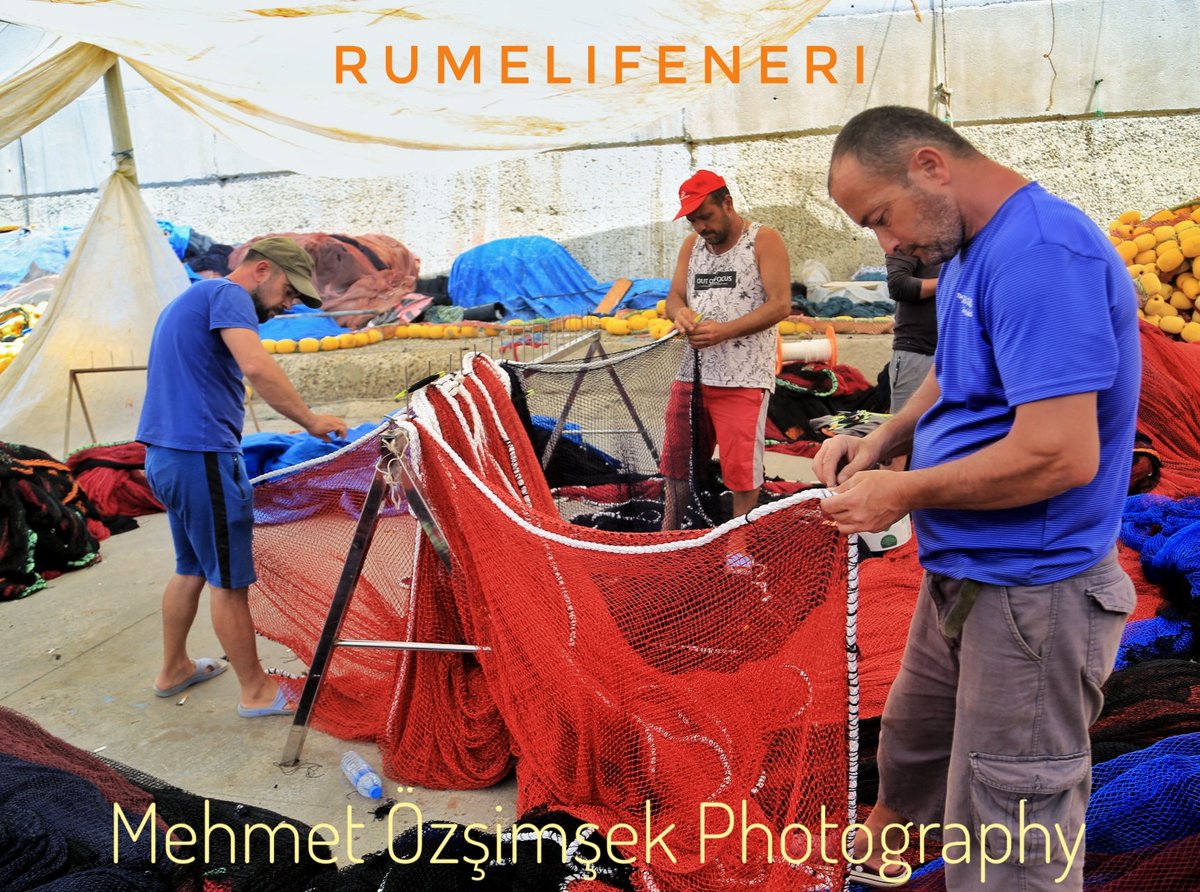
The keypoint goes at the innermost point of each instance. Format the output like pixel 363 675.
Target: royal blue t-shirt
pixel 1037 305
pixel 194 391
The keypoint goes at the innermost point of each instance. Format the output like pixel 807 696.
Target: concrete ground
pixel 81 656
pixel 80 659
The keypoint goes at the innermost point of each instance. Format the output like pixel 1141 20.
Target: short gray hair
pixel 882 139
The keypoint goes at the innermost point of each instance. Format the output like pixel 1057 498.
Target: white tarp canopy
pixel 120 275
pixel 265 77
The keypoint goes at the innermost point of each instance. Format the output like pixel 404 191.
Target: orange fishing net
pixel 698 684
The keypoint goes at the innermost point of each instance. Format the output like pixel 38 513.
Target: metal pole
pixel 118 120
pixel 425 646
pixel 364 532
pixel 24 179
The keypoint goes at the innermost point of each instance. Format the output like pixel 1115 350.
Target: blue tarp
pixel 269 452
pixel 26 250
pixel 299 322
pixel 22 250
pixel 533 276
pixel 177 236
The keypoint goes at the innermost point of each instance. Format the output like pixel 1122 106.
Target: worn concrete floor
pixel 80 658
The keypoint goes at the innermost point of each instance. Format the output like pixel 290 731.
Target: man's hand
pixel 685 319
pixel 707 334
pixel 841 457
pixel 871 501
pixel 326 424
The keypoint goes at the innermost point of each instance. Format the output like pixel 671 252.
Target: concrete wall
pixel 1089 97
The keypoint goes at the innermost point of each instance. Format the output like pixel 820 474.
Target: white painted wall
pixel 1091 97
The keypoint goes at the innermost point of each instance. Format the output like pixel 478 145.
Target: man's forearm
pixel 674 304
pixel 1052 446
pixel 1001 475
pixel 273 385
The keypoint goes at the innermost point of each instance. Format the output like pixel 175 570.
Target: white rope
pixel 486 456
pixel 853 695
pixel 505 437
pixel 322 459
pixel 420 407
pixel 467 391
pixel 475 357
pixel 416 428
pixel 574 367
pixel 815 350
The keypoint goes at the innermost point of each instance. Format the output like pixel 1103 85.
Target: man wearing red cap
pixel 732 283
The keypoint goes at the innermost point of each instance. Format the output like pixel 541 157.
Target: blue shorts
pixel 210 504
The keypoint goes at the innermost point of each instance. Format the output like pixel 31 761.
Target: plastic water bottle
pixel 359 773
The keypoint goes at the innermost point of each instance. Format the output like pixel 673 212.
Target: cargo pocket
pixel 1114 598
pixel 1019 792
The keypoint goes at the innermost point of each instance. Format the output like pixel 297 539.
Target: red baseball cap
pixel 695 189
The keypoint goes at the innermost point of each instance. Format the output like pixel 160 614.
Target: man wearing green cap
pixel 205 341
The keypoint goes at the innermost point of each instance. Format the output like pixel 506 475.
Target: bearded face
pixel 940 233
pixel 261 311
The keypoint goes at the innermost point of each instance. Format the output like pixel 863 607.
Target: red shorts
pixel 735 420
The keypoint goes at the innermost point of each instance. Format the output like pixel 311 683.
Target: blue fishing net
pixel 1146 797
pixel 1167 534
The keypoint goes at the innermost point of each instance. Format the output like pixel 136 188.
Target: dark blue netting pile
pixel 1146 797
pixel 1143 823
pixel 1167 534
pixel 1166 867
pixel 56 831
pixel 1156 638
pixel 59 833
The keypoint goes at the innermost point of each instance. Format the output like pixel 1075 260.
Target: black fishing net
pixel 599 426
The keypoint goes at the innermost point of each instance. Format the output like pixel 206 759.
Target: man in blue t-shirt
pixel 1021 438
pixel 205 341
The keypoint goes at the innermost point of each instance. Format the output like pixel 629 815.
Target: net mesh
pixel 1144 704
pixel 632 673
pixel 1171 368
pixel 56 818
pixel 604 427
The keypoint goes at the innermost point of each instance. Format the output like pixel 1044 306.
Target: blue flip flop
pixel 279 706
pixel 206 668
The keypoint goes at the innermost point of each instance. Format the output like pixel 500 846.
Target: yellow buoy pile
pixel 650 322
pixel 16 322
pixel 343 341
pixel 1162 254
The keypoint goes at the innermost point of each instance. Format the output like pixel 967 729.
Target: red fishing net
pixel 699 683
pixel 1166 412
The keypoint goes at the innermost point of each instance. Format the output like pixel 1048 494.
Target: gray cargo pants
pixel 988 728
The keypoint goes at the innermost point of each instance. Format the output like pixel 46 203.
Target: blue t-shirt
pixel 194 391
pixel 1038 305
